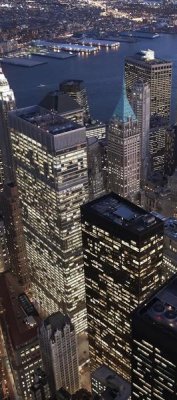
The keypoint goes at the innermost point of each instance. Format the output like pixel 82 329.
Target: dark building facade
pixel 123 247
pixel 16 246
pixel 76 89
pixel 154 349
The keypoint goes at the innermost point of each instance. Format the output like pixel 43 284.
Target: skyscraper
pixel 140 101
pixel 154 349
pixel 158 74
pixel 4 253
pixel 19 321
pixel 76 89
pixel 16 246
pixel 124 150
pixel 7 103
pixel 123 247
pixel 51 168
pixel 58 345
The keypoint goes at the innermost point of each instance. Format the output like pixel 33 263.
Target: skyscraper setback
pixel 51 168
pixel 124 150
pixel 123 247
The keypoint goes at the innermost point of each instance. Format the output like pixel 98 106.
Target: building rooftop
pixel 47 127
pixel 61 102
pixel 121 212
pixel 171 228
pixel 146 57
pixel 116 387
pixel 58 321
pixel 48 121
pixel 21 316
pixel 123 111
pixel 161 309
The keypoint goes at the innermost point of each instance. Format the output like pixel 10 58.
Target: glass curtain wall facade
pixel 51 167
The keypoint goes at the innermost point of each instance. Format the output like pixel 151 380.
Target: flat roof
pixel 48 121
pixel 137 58
pixel 21 316
pixel 171 228
pixel 162 307
pixel 121 212
pixel 117 388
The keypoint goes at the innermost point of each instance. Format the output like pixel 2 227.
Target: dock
pixel 73 48
pixel 98 43
pixel 21 62
pixel 54 54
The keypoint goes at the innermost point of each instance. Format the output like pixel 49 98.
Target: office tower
pixel 140 101
pixel 66 106
pixel 58 345
pixel 40 388
pixel 77 90
pixel 7 103
pixel 4 253
pixel 124 150
pixel 158 74
pixel 154 354
pixel 51 167
pixel 123 246
pixel 170 150
pixel 19 323
pixel 157 149
pixel 170 248
pixel 96 173
pixel 108 385
pixel 16 246
pixel 96 129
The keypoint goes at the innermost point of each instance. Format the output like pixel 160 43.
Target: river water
pixel 101 72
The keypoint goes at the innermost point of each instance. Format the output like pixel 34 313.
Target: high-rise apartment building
pixel 19 322
pixel 16 246
pixel 123 251
pixel 7 103
pixel 158 74
pixel 154 348
pixel 76 89
pixel 58 343
pixel 124 150
pixel 51 167
pixel 140 101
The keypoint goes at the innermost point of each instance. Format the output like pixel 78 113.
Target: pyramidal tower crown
pixel 123 111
